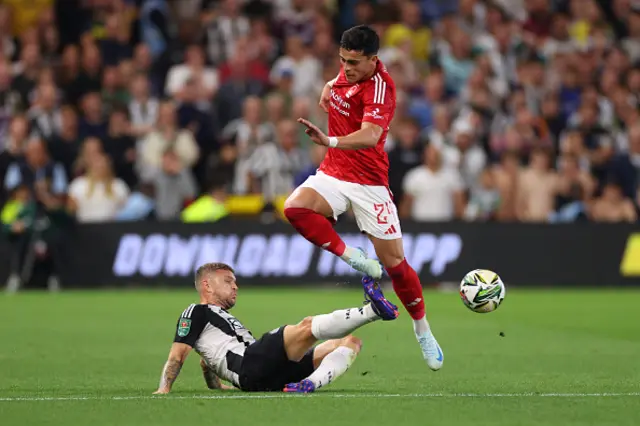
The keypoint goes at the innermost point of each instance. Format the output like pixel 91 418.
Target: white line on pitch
pixel 324 395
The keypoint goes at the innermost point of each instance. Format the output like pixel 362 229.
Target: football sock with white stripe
pixel 341 323
pixel 333 366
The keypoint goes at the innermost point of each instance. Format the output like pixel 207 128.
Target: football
pixel 482 291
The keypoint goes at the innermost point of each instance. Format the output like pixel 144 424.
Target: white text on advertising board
pixel 266 255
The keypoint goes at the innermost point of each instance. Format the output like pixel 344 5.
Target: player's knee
pixel 352 342
pixel 304 327
pixel 297 200
pixel 391 260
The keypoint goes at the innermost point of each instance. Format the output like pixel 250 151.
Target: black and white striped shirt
pixel 221 36
pixel 217 336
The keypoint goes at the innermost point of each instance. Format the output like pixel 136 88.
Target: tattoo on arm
pixel 170 373
pixel 213 381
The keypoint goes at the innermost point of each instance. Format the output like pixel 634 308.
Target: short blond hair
pixel 208 268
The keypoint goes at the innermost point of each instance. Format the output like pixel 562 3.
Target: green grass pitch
pixel 94 358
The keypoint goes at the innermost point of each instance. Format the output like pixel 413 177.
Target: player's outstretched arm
pixel 171 370
pixel 210 377
pixel 367 137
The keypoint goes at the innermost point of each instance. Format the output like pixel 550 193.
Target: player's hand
pixel 325 98
pixel 316 135
pixel 161 391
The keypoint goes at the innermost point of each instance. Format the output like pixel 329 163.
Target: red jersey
pixel 372 100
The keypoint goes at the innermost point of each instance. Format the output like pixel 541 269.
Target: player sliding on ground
pixel 286 359
pixel 361 103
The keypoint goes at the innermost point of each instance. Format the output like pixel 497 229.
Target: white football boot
pixel 431 351
pixel 359 261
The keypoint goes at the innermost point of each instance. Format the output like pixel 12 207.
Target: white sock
pixel 421 326
pixel 341 323
pixel 333 366
pixel 349 252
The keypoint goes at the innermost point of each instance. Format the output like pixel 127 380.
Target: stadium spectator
pixel 14 146
pixel 68 69
pixel 573 189
pixel 465 154
pixel 89 79
pixel 114 92
pixel 484 200
pixel 626 166
pixel 317 155
pixel 8 43
pixel 36 169
pixel 240 83
pixel 45 116
pixel 223 30
pixel 613 206
pixel 411 29
pixel 91 149
pixel 405 155
pixel 120 146
pixel 193 71
pixel 10 100
pixel 247 133
pixel 93 123
pixel 97 195
pixel 297 20
pixel 143 108
pixel 115 45
pixel 273 165
pixel 174 186
pixel 65 144
pixel 221 167
pixel 304 68
pixel 26 71
pixel 537 186
pixel 167 135
pixel 432 192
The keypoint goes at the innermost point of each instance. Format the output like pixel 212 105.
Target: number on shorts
pixel 383 211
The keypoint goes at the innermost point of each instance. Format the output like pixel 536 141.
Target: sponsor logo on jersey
pixel 375 114
pixel 352 91
pixel 184 327
pixel 339 104
pixel 259 255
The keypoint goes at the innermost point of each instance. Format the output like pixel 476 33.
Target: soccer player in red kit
pixel 355 172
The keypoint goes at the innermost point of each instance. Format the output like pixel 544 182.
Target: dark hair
pixel 361 38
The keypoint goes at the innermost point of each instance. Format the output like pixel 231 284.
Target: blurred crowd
pixel 508 110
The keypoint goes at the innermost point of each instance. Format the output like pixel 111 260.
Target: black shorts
pixel 266 368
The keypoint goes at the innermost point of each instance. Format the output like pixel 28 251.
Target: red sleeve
pixel 379 102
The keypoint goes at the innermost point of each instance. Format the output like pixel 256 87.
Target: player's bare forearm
pixel 177 357
pixel 213 381
pixel 170 373
pixel 366 137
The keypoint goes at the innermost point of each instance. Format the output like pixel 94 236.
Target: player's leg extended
pixel 377 216
pixel 407 286
pixel 309 208
pixel 332 361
